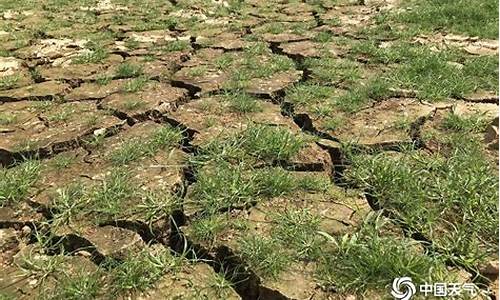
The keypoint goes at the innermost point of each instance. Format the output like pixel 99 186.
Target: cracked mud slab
pixel 46 128
pixel 211 70
pixel 194 280
pixel 17 279
pixel 19 215
pixel 154 99
pixel 470 45
pixel 211 117
pixel 96 91
pixel 386 123
pixel 160 170
pixel 339 212
pixel 48 90
pixel 434 133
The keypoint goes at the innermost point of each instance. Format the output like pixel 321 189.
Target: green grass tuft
pixel 128 70
pixel 16 182
pixel 368 260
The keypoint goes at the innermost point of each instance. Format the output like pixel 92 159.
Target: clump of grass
pixel 274 64
pixel 273 182
pixel 128 70
pixel 482 71
pixel 474 123
pixel 132 43
pixel 261 142
pixel 68 202
pixel 16 182
pixel 255 49
pixel 36 75
pixel 431 76
pixel 61 115
pixel 162 138
pixel 221 285
pixel 133 104
pixel 332 71
pixel 84 285
pixel 275 28
pixel 103 80
pixel 313 183
pixel 5 296
pixel 430 73
pixel 207 229
pixel 304 94
pixel 7 119
pixel 323 37
pixel 472 17
pixel 360 95
pixel 92 57
pixel 297 229
pixel 241 102
pixel 368 260
pixel 333 123
pixel 156 205
pixel 175 46
pixel 449 197
pixel 136 84
pixel 139 272
pixel 108 198
pixel 271 143
pixel 197 71
pixel 8 82
pixel 42 106
pixel 224 61
pixel 265 256
pixel 128 152
pixel 224 186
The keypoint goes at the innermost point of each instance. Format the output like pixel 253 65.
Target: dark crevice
pixel 193 90
pixel 223 261
pixel 485 100
pixel 194 44
pixel 18 225
pixel 319 21
pixel 156 232
pixel 304 122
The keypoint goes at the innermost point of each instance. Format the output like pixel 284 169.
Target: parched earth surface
pixel 243 150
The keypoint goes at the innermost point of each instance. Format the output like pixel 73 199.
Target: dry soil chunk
pixel 47 90
pixel 18 216
pixel 382 124
pixel 53 128
pixel 155 97
pixel 270 86
pixel 53 48
pixel 95 91
pixel 114 242
pixel 73 72
pixel 192 281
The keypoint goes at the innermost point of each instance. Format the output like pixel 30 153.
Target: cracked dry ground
pixel 244 150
